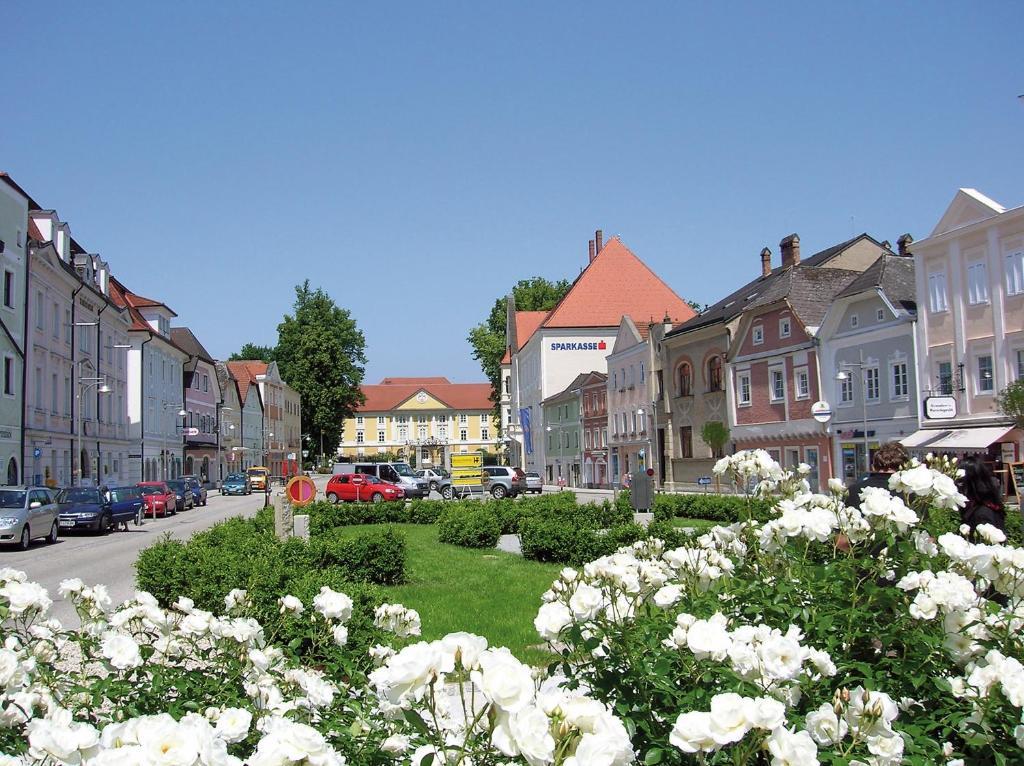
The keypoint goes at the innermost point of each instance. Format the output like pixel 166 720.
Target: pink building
pixel 595 430
pixel 202 399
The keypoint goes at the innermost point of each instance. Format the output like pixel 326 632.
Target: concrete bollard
pixel 284 520
pixel 302 526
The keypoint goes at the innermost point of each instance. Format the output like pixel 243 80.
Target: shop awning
pixel 971 438
pixel 923 438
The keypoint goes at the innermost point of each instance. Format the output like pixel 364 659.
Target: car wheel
pixel 498 492
pixel 52 537
pixel 448 493
pixel 26 538
pixel 333 497
pixel 377 497
pixel 433 486
pixel 104 524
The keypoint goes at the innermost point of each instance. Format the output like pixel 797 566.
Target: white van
pixel 396 473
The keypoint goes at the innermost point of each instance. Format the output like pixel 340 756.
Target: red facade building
pixel 595 430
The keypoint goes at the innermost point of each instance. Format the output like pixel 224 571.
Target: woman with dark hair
pixel 984 497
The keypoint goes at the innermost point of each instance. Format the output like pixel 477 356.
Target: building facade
pixel 14 207
pixel 970 340
pixel 202 398
pixel 229 423
pixel 563 435
pixel 595 430
pixel 422 420
pixel 867 360
pixel 251 450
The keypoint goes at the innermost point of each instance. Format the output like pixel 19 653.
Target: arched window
pixel 12 471
pixel 715 373
pixel 684 379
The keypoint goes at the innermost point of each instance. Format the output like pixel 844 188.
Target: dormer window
pixel 785 327
pixel 854 321
pixel 758 335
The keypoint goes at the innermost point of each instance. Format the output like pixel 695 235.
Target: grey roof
pixel 734 304
pixel 808 290
pixel 576 384
pixel 894 275
pixel 184 339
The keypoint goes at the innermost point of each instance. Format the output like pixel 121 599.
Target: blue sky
pixel 415 160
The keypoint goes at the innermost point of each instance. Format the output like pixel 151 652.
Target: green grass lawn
pixel 487 592
pixel 695 523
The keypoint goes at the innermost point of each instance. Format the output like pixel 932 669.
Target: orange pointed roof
pixel 245 372
pixel 614 284
pixel 527 323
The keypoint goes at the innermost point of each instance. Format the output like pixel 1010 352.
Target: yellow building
pixel 425 420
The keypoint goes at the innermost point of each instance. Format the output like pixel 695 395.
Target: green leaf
pixel 654 755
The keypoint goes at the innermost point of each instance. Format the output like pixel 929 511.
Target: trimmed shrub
pixel 376 556
pixel 725 509
pixel 469 527
pixel 549 538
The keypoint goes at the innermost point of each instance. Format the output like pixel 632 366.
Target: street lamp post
pixel 842 375
pixel 220 437
pixel 181 414
pixel 84 384
pixel 649 427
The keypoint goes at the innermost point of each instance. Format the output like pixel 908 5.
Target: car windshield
pixel 235 477
pixel 532 475
pixel 403 469
pixel 12 498
pixel 122 493
pixel 152 490
pixel 177 485
pixel 79 495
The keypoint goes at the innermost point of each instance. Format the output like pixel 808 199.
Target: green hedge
pixel 469 526
pixel 324 515
pixel 722 508
pixel 567 541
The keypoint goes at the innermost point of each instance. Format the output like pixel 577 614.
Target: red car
pixel 157 498
pixel 361 487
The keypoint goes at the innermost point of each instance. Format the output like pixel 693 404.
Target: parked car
pixel 125 504
pixel 236 484
pixel 259 478
pixel 183 496
pixel 27 513
pixel 503 481
pixel 158 498
pixel 395 473
pixel 198 490
pixel 361 487
pixel 433 477
pixel 88 508
pixel 534 483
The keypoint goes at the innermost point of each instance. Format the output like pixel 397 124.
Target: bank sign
pixel 597 345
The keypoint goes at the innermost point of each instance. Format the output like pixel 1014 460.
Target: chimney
pixel 903 244
pixel 592 251
pixel 790 248
pixel 766 262
pixel 599 240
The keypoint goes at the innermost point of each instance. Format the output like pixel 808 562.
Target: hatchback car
pixel 89 509
pixel 27 513
pixel 158 498
pixel 182 494
pixel 198 490
pixel 361 487
pixel 534 483
pixel 236 484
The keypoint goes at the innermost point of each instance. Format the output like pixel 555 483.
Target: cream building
pixel 423 420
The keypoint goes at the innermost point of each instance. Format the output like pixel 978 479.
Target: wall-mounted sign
pixel 821 411
pixel 597 345
pixel 939 407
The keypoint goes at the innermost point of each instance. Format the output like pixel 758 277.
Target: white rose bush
pixel 827 634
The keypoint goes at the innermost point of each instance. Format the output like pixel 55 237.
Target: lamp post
pixel 220 437
pixel 649 427
pixel 843 375
pixel 84 384
pixel 181 414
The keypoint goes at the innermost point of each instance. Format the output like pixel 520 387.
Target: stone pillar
pixel 302 526
pixel 284 520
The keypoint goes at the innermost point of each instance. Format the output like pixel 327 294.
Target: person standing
pixel 984 496
pixel 886 461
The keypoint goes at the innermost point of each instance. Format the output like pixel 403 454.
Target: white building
pixel 14 207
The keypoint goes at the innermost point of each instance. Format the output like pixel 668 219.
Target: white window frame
pixel 879 315
pixel 977 283
pixel 781 373
pixel 854 321
pixel 785 327
pixel 40 311
pixel 894 394
pixel 381 437
pixel 10 289
pixel 359 420
pixel 380 420
pixel 360 437
pixel 1014 265
pixel 463 434
pixel 1018 373
pixel 10 367
pixel 978 390
pixel 757 335
pixel 938 300
pixel 801 373
pixel 744 386
pixel 846 394
pixel 485 433
pixel 869 372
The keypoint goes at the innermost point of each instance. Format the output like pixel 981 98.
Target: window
pixel 986 384
pixel 871 383
pixel 485 433
pixel 359 437
pixel 758 334
pixel 846 390
pixel 9 289
pixel 684 379
pixel 1015 273
pixel 83 338
pixel 53 393
pixel 880 315
pixel 380 437
pixel 977 283
pixel 633 430
pixel 359 420
pixel 944 374
pixel 778 386
pixel 463 434
pixel 463 419
pixel 785 327
pixel 9 376
pixel 937 291
pixel 803 384
pixel 206 383
pixel 38 402
pixel 686 441
pixel 421 432
pixel 900 383
pixel 67 331
pixel 403 433
pixel 715 373
pixel 615 380
pixel 743 388
pixel 380 420
pixel 67 395
pixel 642 374
pixel 854 321
pixel 40 311
pixel 1020 364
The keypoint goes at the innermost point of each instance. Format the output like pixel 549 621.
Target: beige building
pixel 281 433
pixel 423 420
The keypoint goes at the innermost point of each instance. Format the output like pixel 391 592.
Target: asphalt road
pixel 110 559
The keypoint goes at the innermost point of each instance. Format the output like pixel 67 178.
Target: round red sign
pixel 300 491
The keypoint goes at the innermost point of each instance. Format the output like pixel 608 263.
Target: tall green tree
pixel 488 337
pixel 254 351
pixel 321 353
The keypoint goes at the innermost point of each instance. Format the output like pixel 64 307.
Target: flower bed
pixel 827 634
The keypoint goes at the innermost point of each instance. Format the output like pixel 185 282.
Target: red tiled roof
pixel 527 323
pixel 128 299
pixel 412 381
pixel 245 371
pixel 458 396
pixel 616 283
pixel 119 295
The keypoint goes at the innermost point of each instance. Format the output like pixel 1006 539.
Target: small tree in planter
pixel 1011 402
pixel 715 434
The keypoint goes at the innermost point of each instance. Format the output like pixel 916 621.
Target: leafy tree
pixel 488 337
pixel 321 354
pixel 254 351
pixel 1011 401
pixel 715 434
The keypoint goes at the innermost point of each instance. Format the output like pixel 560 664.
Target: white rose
pixel 692 732
pixel 504 680
pixel 836 486
pixel 586 602
pixel 291 604
pixel 825 727
pixel 551 619
pixel 396 744
pixel 667 596
pixel 340 635
pixel 789 748
pixel 233 724
pixel 765 713
pixel 728 718
pixel 421 752
pixel 121 650
pixel 601 749
pixel 24 597
pixel 889 750
pixel 332 604
pixel 990 534
pixel 464 647
pixel 528 733
pixel 708 638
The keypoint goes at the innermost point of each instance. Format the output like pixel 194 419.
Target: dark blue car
pixel 125 504
pixel 91 509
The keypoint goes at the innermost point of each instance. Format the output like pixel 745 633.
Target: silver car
pixel 534 483
pixel 27 513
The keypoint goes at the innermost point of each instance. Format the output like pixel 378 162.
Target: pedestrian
pixel 984 496
pixel 626 478
pixel 887 460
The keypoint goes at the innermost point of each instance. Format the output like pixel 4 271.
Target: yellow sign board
pixel 466 469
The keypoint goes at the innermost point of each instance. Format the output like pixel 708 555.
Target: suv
pixel 503 481
pixel 27 513
pixel 433 476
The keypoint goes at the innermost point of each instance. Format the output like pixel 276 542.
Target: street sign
pixel 704 481
pixel 939 407
pixel 821 411
pixel 191 432
pixel 37 452
pixel 291 456
pixel 301 491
